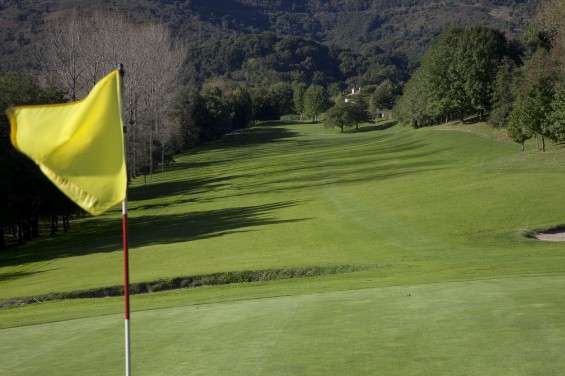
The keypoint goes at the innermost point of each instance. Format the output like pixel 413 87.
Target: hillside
pixel 393 26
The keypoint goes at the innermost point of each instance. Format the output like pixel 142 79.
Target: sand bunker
pixel 552 236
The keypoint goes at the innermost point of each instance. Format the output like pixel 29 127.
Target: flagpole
pixel 126 284
pixel 126 260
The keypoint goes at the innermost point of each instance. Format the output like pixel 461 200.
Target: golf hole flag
pixel 78 145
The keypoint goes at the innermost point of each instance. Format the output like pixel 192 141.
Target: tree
pixel 483 50
pixel 518 128
pixel 503 95
pixel 208 114
pixel 358 113
pixel 187 112
pixel 337 116
pixel 214 115
pixel 316 101
pixel 414 106
pixel 383 98
pixel 25 193
pixel 539 107
pixel 530 115
pixel 556 118
pixel 282 94
pixel 79 50
pixel 457 74
pixel 241 106
pixel 345 114
pixel 298 90
pixel 264 104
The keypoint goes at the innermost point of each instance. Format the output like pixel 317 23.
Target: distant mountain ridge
pixel 407 26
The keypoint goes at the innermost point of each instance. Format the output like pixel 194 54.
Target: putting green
pixel 457 328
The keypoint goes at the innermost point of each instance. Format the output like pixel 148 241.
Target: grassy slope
pixel 418 201
pixel 430 205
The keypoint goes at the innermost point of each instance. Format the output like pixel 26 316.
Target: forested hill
pixel 405 26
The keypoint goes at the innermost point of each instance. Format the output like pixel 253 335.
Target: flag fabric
pixel 79 146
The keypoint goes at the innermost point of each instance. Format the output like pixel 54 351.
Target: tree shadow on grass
pixel 11 276
pixel 259 135
pixel 378 127
pixel 402 159
pixel 134 207
pixel 104 234
pixel 173 188
pixel 205 224
pixel 190 165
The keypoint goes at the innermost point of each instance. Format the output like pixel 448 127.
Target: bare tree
pixel 62 56
pixel 161 72
pixel 79 50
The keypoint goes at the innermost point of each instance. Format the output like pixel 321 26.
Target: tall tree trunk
pixel 20 234
pixel 2 239
pixel 54 226
pixel 27 230
pixel 65 218
pixel 34 226
pixel 162 157
pixel 151 151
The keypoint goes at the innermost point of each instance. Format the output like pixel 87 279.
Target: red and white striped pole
pixel 126 257
pixel 126 284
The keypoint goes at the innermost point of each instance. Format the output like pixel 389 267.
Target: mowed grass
pixel 440 212
pixel 510 326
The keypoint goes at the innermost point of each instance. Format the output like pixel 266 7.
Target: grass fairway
pixel 456 288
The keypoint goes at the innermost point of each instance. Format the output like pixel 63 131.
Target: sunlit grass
pixel 294 195
pixel 435 206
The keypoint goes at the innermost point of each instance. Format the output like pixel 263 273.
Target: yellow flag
pixel 79 145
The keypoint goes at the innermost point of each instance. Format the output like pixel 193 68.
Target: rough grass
pixel 439 208
pixel 215 279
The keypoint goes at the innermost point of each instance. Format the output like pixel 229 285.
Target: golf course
pixel 386 251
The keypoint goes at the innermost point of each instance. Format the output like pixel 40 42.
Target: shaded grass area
pixel 215 279
pixel 104 234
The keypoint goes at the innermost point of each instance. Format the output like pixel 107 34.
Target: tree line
pixel 477 71
pixel 26 195
pixel 222 106
pixel 534 104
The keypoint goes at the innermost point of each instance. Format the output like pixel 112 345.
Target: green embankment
pixel 440 212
